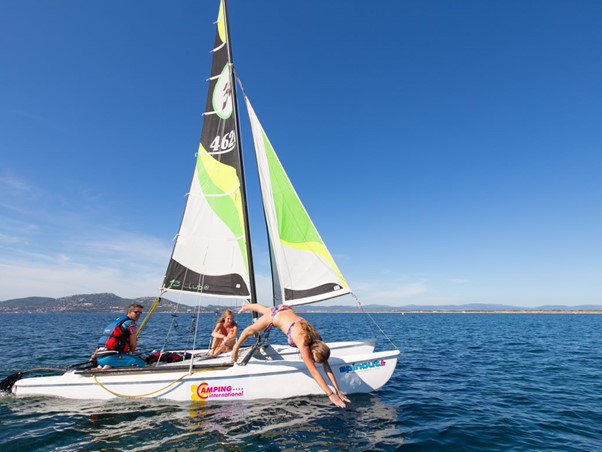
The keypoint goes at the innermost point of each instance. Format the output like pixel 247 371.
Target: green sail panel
pixel 210 254
pixel 305 268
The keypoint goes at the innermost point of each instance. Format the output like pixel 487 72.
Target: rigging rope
pixel 149 393
pixel 174 324
pixel 196 329
pixel 373 321
pixel 191 330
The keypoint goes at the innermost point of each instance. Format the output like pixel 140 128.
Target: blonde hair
pixel 226 313
pixel 319 350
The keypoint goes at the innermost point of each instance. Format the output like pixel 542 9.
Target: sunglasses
pixel 137 312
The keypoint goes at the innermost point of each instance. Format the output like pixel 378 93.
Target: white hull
pixel 276 373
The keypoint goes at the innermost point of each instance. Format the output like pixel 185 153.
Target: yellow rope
pixel 151 311
pixel 148 394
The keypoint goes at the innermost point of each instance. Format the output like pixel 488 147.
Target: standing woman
pixel 301 335
pixel 224 334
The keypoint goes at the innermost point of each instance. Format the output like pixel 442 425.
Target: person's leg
pixel 255 328
pixel 124 360
pixel 215 346
pixel 132 361
pixel 227 345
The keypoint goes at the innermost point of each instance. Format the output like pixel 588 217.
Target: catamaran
pixel 212 257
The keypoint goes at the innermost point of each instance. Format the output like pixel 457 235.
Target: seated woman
pixel 301 335
pixel 118 342
pixel 224 334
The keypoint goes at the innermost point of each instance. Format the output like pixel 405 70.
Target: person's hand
pixel 343 397
pixel 234 356
pixel 334 398
pixel 244 308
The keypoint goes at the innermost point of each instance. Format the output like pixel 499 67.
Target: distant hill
pixel 97 302
pixel 584 307
pixel 109 302
pixel 30 302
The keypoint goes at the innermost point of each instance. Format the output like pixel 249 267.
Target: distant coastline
pixel 109 302
pixel 566 312
pixel 189 311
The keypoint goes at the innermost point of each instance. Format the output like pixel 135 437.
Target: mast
pixel 243 186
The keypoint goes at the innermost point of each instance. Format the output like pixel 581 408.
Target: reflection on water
pixel 306 422
pixel 299 422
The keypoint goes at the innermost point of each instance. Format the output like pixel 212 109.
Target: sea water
pixel 466 382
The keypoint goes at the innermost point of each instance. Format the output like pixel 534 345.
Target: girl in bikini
pixel 224 334
pixel 300 334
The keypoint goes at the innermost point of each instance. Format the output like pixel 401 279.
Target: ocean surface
pixel 464 382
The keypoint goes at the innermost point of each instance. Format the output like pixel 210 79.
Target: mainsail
pixel 305 271
pixel 212 254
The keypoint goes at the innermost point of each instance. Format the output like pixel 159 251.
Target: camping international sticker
pixel 206 391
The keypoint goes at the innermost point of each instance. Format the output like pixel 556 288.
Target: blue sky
pixel 448 152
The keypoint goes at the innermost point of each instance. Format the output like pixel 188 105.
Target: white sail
pixel 206 246
pixel 305 268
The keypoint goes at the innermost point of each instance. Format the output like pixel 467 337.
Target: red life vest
pixel 114 337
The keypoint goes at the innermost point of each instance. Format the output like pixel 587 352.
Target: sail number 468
pixel 223 143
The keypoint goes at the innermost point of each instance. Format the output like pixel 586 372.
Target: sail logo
pixel 362 366
pixel 176 284
pixel 205 391
pixel 222 95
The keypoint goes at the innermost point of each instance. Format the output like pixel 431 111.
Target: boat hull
pixel 270 375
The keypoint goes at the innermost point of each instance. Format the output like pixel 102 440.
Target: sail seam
pixel 231 239
pixel 225 151
pixel 218 47
pixel 207 113
pixel 219 195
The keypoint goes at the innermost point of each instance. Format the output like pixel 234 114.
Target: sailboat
pixel 212 257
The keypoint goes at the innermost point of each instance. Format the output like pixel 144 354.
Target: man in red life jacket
pixel 119 340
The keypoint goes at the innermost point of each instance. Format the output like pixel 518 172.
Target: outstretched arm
pixel 317 376
pixel 333 380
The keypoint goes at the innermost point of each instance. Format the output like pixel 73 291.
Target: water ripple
pixel 463 382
